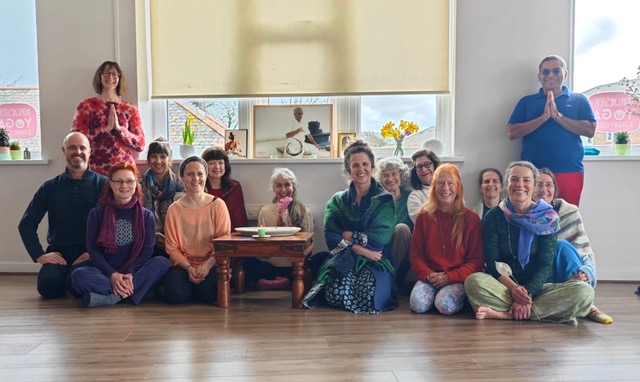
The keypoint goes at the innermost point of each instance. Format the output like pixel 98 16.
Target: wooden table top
pixel 236 245
pixel 237 237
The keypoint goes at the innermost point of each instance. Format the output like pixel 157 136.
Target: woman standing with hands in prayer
pixel 113 127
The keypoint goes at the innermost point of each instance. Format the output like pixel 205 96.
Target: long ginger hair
pixel 457 212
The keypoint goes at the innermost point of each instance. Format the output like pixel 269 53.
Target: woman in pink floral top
pixel 114 127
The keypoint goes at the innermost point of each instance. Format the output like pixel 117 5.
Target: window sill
pixel 447 159
pixel 607 154
pixel 24 162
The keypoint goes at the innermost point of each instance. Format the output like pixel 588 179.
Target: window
pixel 605 52
pixel 378 110
pixel 364 115
pixel 19 94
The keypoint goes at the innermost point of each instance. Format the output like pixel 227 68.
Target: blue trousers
pixel 568 262
pixel 90 279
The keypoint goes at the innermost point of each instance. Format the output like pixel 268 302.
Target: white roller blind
pixel 223 48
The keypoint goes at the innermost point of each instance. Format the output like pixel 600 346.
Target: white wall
pixel 499 44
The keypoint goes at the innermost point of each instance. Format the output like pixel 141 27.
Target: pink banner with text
pixel 610 109
pixel 19 119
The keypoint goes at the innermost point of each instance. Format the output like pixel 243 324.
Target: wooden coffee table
pixel 235 246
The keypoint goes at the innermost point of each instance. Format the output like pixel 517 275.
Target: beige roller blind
pixel 223 48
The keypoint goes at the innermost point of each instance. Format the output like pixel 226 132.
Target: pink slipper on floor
pixel 599 316
pixel 280 283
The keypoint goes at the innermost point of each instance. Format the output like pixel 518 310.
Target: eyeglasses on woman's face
pixel 546 185
pixel 107 74
pixel 424 166
pixel 120 182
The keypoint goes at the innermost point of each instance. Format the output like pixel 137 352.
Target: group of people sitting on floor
pixel 124 236
pixel 115 234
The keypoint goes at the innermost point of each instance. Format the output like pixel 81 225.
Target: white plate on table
pixel 272 231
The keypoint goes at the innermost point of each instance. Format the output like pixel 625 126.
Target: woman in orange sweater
pixel 446 246
pixel 191 224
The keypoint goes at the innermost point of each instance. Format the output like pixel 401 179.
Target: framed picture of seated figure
pixel 292 131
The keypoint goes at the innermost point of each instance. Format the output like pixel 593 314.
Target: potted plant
pixel 4 144
pixel 621 143
pixel 14 150
pixel 188 136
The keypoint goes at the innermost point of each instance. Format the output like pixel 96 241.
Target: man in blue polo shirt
pixel 550 124
pixel 67 199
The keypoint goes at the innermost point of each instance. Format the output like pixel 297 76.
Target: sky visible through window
pixel 607 35
pixel 19 57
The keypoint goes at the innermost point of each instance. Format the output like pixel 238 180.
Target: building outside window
pixel 605 40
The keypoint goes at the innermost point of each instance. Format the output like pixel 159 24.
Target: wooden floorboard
pixel 260 338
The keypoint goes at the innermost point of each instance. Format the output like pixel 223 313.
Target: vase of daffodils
pixel 389 130
pixel 188 136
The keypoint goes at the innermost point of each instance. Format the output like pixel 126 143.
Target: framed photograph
pixel 292 131
pixel 235 143
pixel 344 139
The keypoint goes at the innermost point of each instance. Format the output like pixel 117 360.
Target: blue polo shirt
pixel 551 145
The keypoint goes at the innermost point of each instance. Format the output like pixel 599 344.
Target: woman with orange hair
pixel 120 241
pixel 446 246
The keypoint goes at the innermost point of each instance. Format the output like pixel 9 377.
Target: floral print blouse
pixel 109 146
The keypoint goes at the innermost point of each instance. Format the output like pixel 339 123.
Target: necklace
pixel 444 247
pixel 509 240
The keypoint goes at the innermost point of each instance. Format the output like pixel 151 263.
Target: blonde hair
pixel 457 213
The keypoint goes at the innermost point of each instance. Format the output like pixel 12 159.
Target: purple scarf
pixel 540 220
pixel 107 235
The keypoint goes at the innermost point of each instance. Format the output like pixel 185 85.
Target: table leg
pixel 238 275
pixel 297 291
pixel 224 293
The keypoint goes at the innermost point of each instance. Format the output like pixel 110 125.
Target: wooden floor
pixel 260 338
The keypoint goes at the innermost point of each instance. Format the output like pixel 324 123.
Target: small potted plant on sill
pixel 4 145
pixel 188 136
pixel 14 150
pixel 621 143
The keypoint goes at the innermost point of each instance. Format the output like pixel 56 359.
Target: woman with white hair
pixel 393 174
pixel 284 211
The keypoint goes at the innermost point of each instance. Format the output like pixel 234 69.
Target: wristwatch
pixel 560 115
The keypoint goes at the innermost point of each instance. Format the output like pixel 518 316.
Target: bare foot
pixel 488 313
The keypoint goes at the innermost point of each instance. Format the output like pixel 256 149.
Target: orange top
pixel 189 232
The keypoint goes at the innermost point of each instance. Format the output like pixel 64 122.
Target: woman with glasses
pixel 120 239
pixel 114 127
pixel 160 188
pixel 490 189
pixel 220 184
pixel 425 163
pixel 191 225
pixel 358 224
pixel 574 255
pixel 446 246
pixel 521 234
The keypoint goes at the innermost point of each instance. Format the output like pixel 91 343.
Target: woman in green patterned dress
pixel 358 225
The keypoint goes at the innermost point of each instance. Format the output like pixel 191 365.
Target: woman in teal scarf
pixel 359 222
pixel 522 235
pixel 160 188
